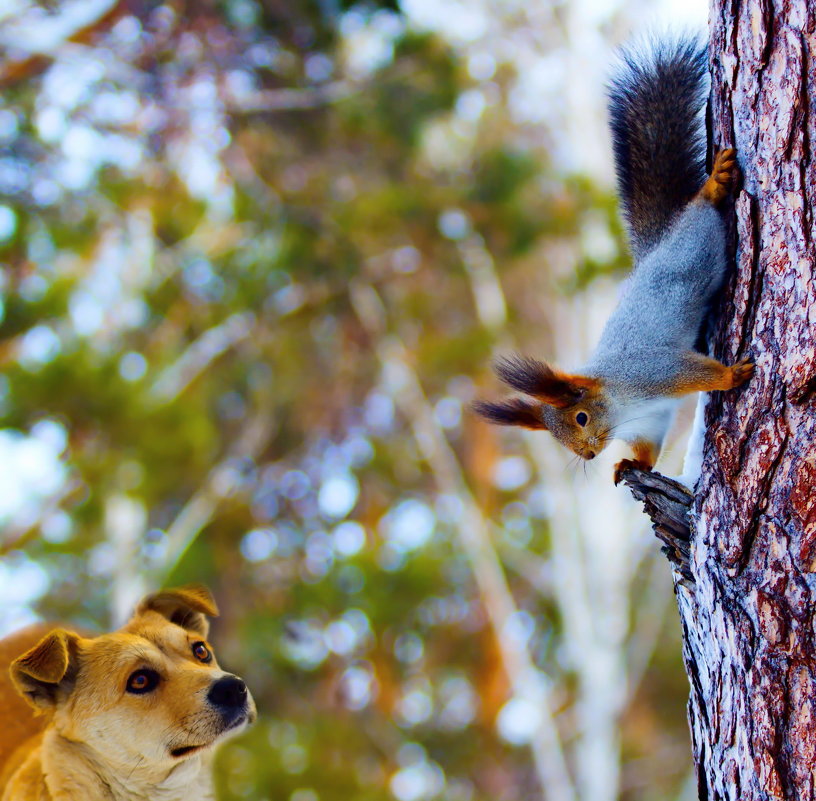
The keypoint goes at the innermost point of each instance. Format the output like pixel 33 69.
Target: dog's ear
pixel 188 607
pixel 541 381
pixel 48 668
pixel 512 412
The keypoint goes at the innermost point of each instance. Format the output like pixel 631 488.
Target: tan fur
pixel 704 374
pixel 590 386
pixel 645 457
pixel 97 741
pixel 563 388
pixel 19 724
pixel 645 452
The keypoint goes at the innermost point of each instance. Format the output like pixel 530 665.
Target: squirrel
pixel 646 358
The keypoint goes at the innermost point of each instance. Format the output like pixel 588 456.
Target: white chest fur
pixel 646 420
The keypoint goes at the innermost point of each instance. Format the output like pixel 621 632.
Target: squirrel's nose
pixel 590 455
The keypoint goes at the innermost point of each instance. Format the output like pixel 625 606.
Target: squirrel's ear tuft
pixel 539 380
pixel 513 412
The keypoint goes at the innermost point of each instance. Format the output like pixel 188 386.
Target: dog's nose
pixel 228 693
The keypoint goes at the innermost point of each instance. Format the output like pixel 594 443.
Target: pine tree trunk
pixel 748 614
pixel 745 556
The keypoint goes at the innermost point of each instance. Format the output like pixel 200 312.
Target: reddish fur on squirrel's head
pixel 571 407
pixel 541 381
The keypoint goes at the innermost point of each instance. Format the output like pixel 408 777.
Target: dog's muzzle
pixel 229 696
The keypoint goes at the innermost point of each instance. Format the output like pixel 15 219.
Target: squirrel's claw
pixel 629 464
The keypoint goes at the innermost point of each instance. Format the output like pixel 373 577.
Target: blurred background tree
pixel 256 258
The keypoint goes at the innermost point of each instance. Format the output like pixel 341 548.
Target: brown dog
pixel 132 715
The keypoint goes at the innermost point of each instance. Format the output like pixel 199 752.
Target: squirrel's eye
pixel 582 418
pixel 142 681
pixel 201 652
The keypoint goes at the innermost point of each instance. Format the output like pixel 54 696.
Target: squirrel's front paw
pixel 629 464
pixel 741 372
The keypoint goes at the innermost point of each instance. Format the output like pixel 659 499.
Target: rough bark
pixel 748 598
pixel 668 504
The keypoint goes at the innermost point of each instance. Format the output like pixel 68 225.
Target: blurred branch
pixel 77 22
pixel 688 791
pixel 18 535
pixel 585 591
pixel 125 519
pixel 201 353
pixel 534 569
pixel 295 99
pixel 592 573
pixel 650 615
pixel 487 290
pixel 130 579
pixel 290 99
pixel 639 774
pixel 526 680
pixel 220 484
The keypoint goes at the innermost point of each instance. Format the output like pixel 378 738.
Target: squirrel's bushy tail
pixel 655 98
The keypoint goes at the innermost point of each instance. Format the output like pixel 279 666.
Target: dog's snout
pixel 228 693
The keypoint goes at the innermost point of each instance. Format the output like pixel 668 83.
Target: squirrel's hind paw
pixel 723 177
pixel 629 464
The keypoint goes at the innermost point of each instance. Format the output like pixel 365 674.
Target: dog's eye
pixel 582 418
pixel 142 681
pixel 201 652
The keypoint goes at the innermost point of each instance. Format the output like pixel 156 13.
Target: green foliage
pixel 210 316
